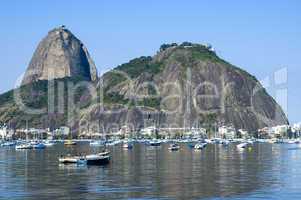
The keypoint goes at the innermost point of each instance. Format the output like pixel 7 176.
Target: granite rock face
pixel 185 85
pixel 60 54
pixel 189 86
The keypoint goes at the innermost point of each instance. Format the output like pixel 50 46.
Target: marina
pixel 156 173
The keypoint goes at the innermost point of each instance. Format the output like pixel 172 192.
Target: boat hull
pixel 101 161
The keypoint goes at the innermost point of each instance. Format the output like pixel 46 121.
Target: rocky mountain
pixel 184 85
pixel 60 54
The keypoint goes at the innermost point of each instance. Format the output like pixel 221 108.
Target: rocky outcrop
pixel 60 54
pixel 185 85
pixel 190 86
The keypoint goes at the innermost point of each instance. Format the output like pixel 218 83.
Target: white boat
pixel 174 147
pixel 250 142
pixel 96 143
pixel 200 146
pixel 112 143
pixel 242 145
pixel 154 143
pixel 49 143
pixel 208 141
pixel 127 145
pixel 225 142
pixel 73 160
pixel 24 146
pixel 8 144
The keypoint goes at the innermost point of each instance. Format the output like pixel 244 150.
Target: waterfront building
pixel 281 131
pixel 62 132
pixel 3 132
pixel 148 131
pixel 242 133
pixel 227 132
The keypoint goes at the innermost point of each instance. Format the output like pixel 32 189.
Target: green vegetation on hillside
pixel 139 65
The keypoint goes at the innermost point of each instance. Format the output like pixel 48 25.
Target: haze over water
pixel 268 171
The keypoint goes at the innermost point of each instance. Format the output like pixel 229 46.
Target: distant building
pixel 243 134
pixel 227 132
pixel 281 131
pixel 62 131
pixel 148 131
pixel 265 133
pixel 195 133
pixel 3 132
pixel 296 130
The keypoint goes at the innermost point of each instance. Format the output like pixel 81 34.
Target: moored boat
pixel 127 145
pixel 242 145
pixel 69 143
pixel 49 143
pixel 200 146
pixel 92 159
pixel 96 143
pixel 38 146
pixel 154 143
pixel 69 159
pixel 98 159
pixel 24 146
pixel 8 144
pixel 174 147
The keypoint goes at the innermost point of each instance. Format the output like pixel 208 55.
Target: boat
pixel 112 143
pixel 200 146
pixel 24 146
pixel 8 144
pixel 92 159
pixel 128 145
pixel 69 142
pixel 71 159
pixel 242 145
pixel 96 143
pixel 49 143
pixel 154 143
pixel 208 141
pixel 98 159
pixel 225 142
pixel 174 147
pixel 39 145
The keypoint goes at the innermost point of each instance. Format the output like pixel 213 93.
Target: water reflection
pixel 152 172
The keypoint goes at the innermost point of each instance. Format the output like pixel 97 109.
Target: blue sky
pixel 261 37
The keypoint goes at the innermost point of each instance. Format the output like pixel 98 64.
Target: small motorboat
pixel 39 146
pixel 8 144
pixel 71 160
pixel 200 146
pixel 208 141
pixel 98 159
pixel 49 143
pixel 174 147
pixel 127 145
pixel 96 143
pixel 242 145
pixel 225 142
pixel 24 146
pixel 93 159
pixel 154 143
pixel 112 143
pixel 69 143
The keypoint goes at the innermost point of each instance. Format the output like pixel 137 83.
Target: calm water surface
pixel 265 172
